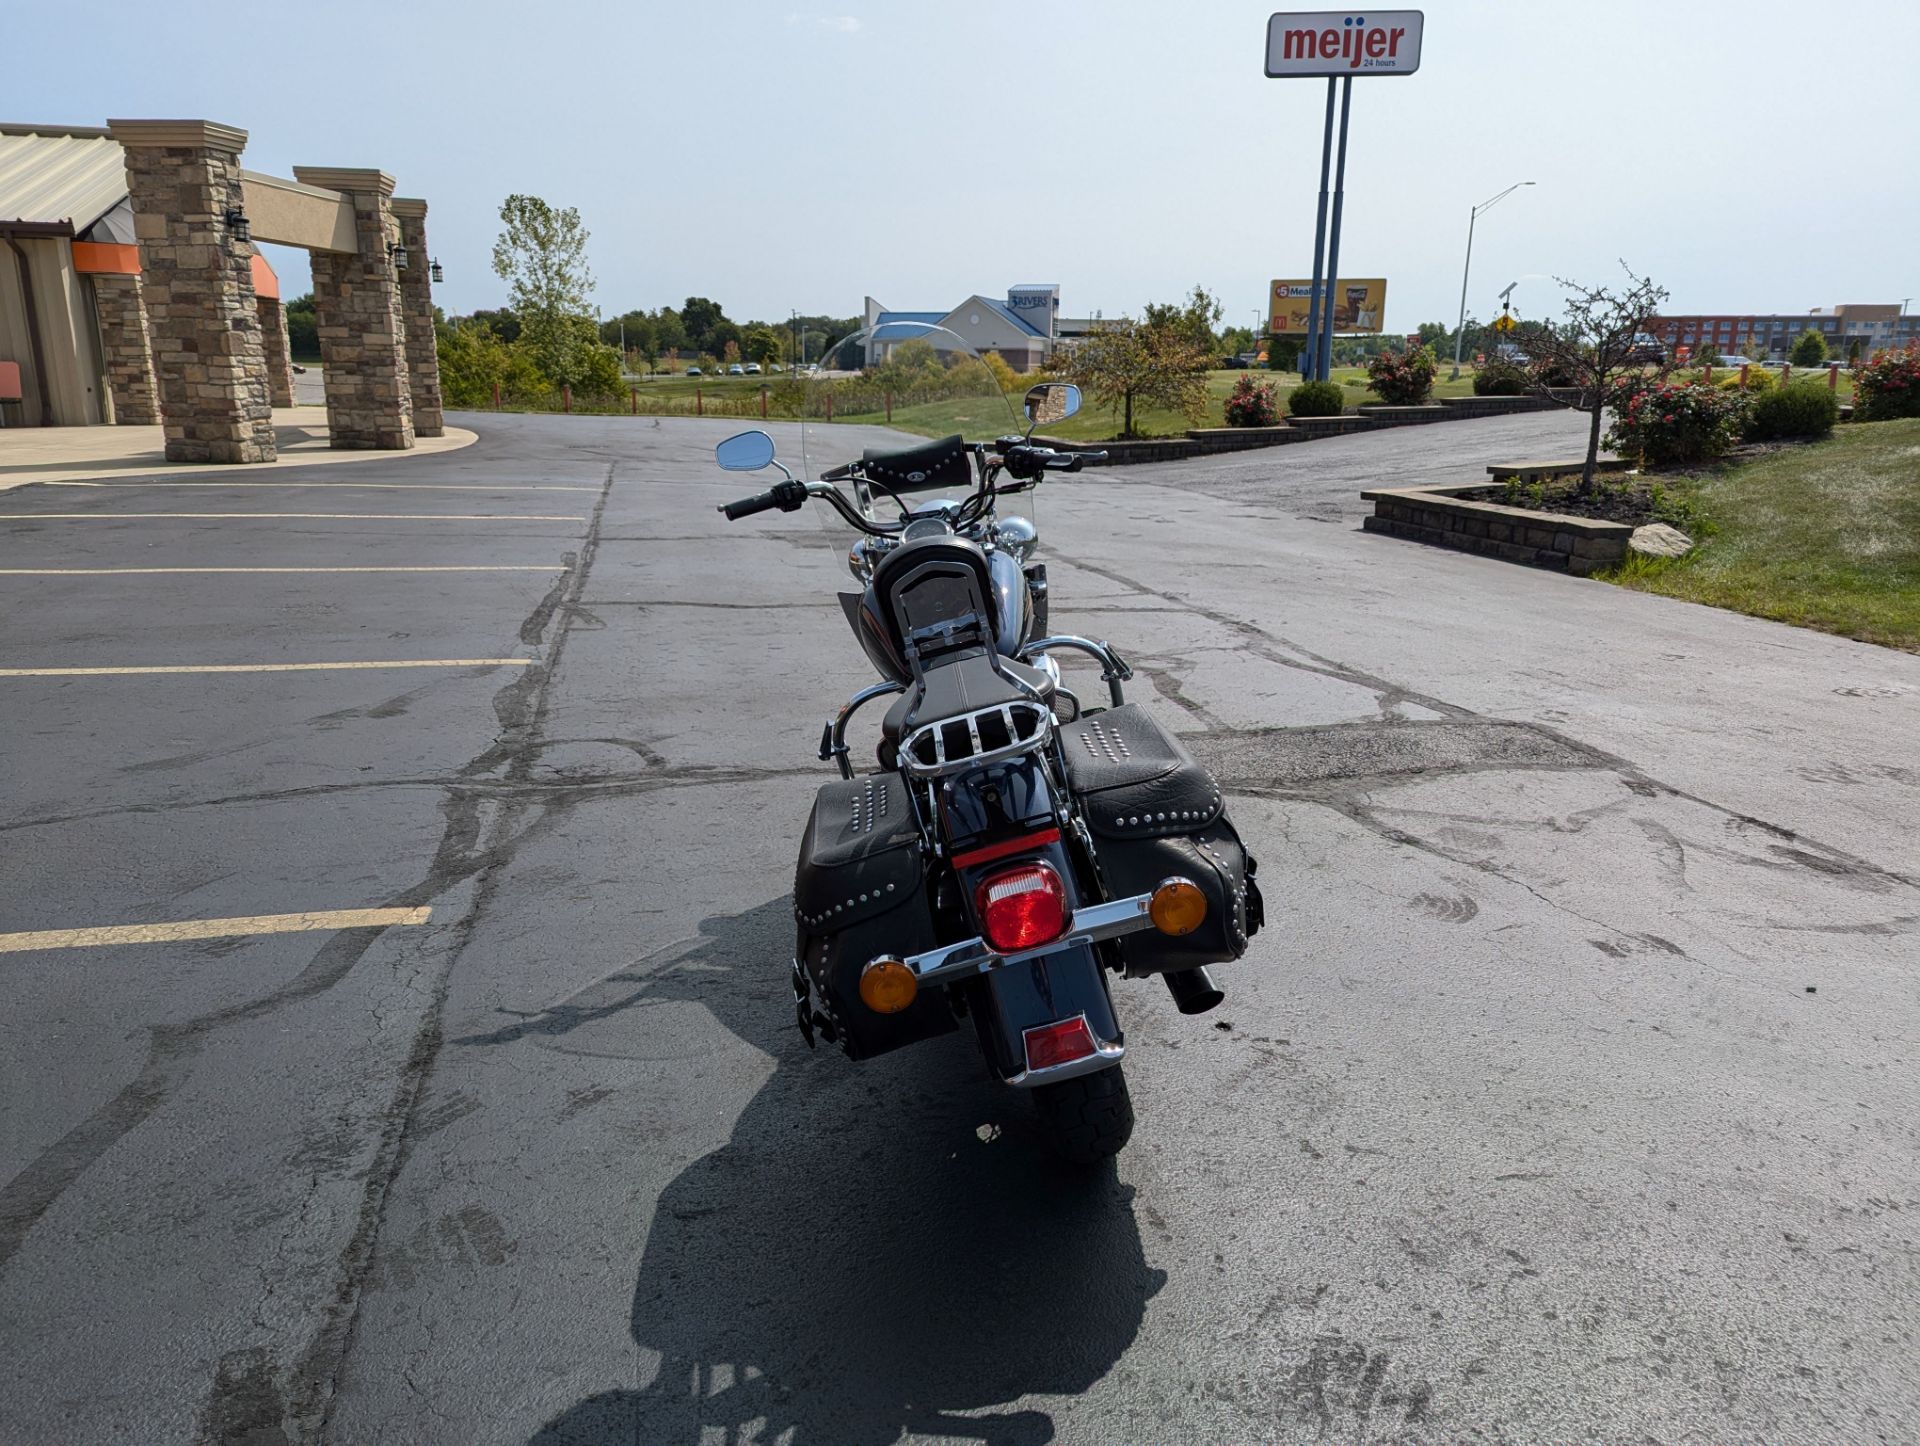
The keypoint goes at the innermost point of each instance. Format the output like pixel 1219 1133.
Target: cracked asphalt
pixel 1568 1095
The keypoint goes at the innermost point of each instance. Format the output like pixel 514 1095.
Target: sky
pixel 1760 156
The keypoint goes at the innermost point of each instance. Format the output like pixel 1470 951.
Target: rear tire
pixel 1086 1120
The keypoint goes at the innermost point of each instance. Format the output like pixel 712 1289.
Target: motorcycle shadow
pixel 858 1262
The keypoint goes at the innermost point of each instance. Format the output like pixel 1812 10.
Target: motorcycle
pixel 1013 849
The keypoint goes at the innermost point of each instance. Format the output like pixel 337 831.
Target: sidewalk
pixel 79 454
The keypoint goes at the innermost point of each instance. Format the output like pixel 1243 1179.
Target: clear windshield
pixel 897 384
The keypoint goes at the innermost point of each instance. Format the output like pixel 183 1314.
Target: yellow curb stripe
pixel 298 516
pixel 263 667
pixel 116 571
pixel 211 929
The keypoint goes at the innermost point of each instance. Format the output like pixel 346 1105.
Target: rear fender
pixel 1009 812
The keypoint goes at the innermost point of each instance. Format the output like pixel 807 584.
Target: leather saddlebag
pixel 859 892
pixel 1154 813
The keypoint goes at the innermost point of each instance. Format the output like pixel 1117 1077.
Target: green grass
pixel 1822 536
pixel 1097 424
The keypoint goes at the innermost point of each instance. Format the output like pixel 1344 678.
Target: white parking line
pixel 299 516
pixel 211 929
pixel 262 667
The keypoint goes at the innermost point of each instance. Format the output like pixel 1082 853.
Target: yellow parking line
pixel 301 516
pixel 262 667
pixel 358 486
pixel 211 929
pixel 106 571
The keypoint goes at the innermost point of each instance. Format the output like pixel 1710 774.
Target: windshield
pixel 898 384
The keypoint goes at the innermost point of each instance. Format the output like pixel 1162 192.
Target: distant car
pixel 753 369
pixel 1507 352
pixel 1646 348
pixel 694 372
pixel 736 370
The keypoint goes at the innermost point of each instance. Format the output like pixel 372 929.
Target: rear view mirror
pixel 1051 402
pixel 746 452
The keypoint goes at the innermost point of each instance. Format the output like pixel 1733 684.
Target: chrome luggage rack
pixel 968 740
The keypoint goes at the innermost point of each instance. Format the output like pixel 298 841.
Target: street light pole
pixel 1460 328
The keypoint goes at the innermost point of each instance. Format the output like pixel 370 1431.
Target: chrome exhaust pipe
pixel 1193 990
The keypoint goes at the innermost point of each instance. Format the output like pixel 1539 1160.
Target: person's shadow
pixel 857 1262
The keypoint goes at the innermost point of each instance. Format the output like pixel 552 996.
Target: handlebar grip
pixel 747 506
pixel 1093 459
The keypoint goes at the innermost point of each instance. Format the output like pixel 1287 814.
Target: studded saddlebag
pixel 859 892
pixel 1155 813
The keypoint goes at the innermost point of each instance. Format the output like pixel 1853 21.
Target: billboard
pixel 1338 42
pixel 1359 307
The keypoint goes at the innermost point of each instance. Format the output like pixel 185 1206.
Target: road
pixel 1569 1094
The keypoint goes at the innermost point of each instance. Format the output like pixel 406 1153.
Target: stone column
pixel 273 341
pixel 124 348
pixel 197 283
pixel 416 306
pixel 357 306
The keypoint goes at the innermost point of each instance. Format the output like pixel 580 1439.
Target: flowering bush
pixel 1316 399
pixel 1500 379
pixel 1252 404
pixel 1759 379
pixel 1403 379
pixel 1664 423
pixel 1888 386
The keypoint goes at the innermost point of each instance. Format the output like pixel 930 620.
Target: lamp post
pixel 1460 329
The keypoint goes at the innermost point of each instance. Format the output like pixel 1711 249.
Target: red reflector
pixel 987 853
pixel 1060 1043
pixel 1021 908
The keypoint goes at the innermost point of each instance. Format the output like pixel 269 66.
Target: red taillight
pixel 1021 908
pixel 1060 1043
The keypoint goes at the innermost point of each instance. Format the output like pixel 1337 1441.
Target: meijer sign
pixel 1343 42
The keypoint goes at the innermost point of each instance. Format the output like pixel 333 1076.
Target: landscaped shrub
pixel 1805 409
pixel 1251 404
pixel 1551 373
pixel 1664 424
pixel 1888 386
pixel 1316 399
pixel 1403 379
pixel 1809 351
pixel 1500 379
pixel 1759 379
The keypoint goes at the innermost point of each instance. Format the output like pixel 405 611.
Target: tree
pixel 1283 352
pixel 542 256
pixel 730 353
pixel 1126 364
pixel 502 323
pixel 1192 320
pixel 303 329
pixel 700 316
pixel 762 344
pixel 1810 350
pixel 637 329
pixel 1236 339
pixel 1595 343
pixel 1437 335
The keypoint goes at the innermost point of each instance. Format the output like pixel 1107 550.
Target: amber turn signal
pixel 1178 907
pixel 887 986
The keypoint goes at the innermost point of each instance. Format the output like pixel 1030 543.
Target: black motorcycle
pixel 1013 849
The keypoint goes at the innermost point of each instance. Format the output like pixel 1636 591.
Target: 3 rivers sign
pixel 1340 42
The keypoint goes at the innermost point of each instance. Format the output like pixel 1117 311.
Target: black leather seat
pixel 962 686
pixel 935 467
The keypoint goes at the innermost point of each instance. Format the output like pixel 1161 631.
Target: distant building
pixel 1024 328
pixel 1872 326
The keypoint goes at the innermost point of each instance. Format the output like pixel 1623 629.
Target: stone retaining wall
pixel 1440 517
pixel 1205 441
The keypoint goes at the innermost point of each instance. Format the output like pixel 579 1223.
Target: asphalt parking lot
pixel 395 1047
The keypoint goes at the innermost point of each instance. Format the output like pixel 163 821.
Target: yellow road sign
pixel 1504 322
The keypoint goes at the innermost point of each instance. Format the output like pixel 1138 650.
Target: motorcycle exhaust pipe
pixel 1193 990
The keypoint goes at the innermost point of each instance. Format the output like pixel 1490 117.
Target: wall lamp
pixel 436 273
pixel 399 256
pixel 237 225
